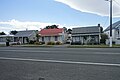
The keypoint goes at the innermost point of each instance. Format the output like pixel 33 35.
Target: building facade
pixel 86 35
pixel 6 38
pixel 25 36
pixel 115 33
pixel 52 35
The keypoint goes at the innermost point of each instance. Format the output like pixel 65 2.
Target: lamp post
pixel 110 22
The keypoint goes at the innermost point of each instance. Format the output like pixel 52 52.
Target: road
pixel 34 63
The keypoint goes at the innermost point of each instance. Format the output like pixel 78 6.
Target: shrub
pixel 31 42
pixel 37 43
pixel 51 43
pixel 42 42
pixel 58 43
pixel 75 43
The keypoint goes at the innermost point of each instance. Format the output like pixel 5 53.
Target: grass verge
pixel 93 46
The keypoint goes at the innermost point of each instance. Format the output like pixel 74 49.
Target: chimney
pixel 98 25
pixel 26 29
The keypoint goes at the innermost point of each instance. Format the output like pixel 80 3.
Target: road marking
pixel 23 51
pixel 57 61
pixel 93 53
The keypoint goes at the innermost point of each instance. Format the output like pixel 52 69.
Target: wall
pixel 115 35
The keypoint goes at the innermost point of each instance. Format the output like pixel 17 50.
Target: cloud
pixel 13 24
pixel 99 7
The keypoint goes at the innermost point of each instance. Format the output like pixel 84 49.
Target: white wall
pixel 52 39
pixel 32 36
pixel 115 35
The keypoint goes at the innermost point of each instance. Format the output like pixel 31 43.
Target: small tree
pixel 37 37
pixel 51 27
pixel 103 38
pixel 2 33
pixel 27 39
pixel 69 31
pixel 13 32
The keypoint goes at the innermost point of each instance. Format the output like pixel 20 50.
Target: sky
pixel 36 14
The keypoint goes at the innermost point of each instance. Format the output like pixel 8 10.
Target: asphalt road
pixel 22 63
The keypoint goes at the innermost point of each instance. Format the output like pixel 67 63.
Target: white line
pixel 93 53
pixel 23 51
pixel 56 61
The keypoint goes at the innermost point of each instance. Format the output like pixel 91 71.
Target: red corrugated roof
pixel 51 32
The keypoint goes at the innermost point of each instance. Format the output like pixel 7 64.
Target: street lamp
pixel 110 22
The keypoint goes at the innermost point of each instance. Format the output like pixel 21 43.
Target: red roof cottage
pixel 53 35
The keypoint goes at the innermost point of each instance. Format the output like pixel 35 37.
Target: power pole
pixel 110 23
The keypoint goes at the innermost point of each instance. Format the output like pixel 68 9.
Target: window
pixel 42 38
pixel 49 38
pixel 56 38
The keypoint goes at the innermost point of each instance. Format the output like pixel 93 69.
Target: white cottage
pixel 25 36
pixel 86 35
pixel 52 35
pixel 115 33
pixel 6 38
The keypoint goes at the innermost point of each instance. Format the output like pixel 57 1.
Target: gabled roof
pixel 85 30
pixel 114 26
pixel 51 32
pixel 26 33
pixel 8 35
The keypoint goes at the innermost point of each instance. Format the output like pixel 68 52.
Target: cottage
pixel 86 35
pixel 25 36
pixel 6 38
pixel 115 33
pixel 52 35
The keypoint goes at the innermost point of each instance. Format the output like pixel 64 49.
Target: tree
pixel 103 38
pixel 13 32
pixel 51 27
pixel 2 33
pixel 65 29
pixel 69 31
pixel 27 39
pixel 101 29
pixel 37 37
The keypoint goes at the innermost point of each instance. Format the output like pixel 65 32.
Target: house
pixel 115 32
pixel 86 35
pixel 6 38
pixel 52 35
pixel 25 36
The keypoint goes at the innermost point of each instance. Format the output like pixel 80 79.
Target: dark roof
pixel 114 26
pixel 26 33
pixel 86 30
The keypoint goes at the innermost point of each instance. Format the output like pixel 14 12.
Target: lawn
pixel 93 46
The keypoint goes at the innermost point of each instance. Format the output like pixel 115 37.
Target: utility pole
pixel 110 22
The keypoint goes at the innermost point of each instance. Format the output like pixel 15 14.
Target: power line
pixel 106 21
pixel 116 3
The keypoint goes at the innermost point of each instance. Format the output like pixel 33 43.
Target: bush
pixel 113 42
pixel 58 43
pixel 42 42
pixel 75 43
pixel 31 42
pixel 51 43
pixel 37 43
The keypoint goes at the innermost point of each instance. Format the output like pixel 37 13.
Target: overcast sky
pixel 36 14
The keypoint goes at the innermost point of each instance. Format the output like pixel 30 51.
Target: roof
pixel 85 30
pixel 26 33
pixel 114 26
pixel 8 35
pixel 51 32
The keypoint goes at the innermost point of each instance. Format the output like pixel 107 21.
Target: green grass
pixel 93 46
pixel 70 46
pixel 2 45
pixel 32 45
